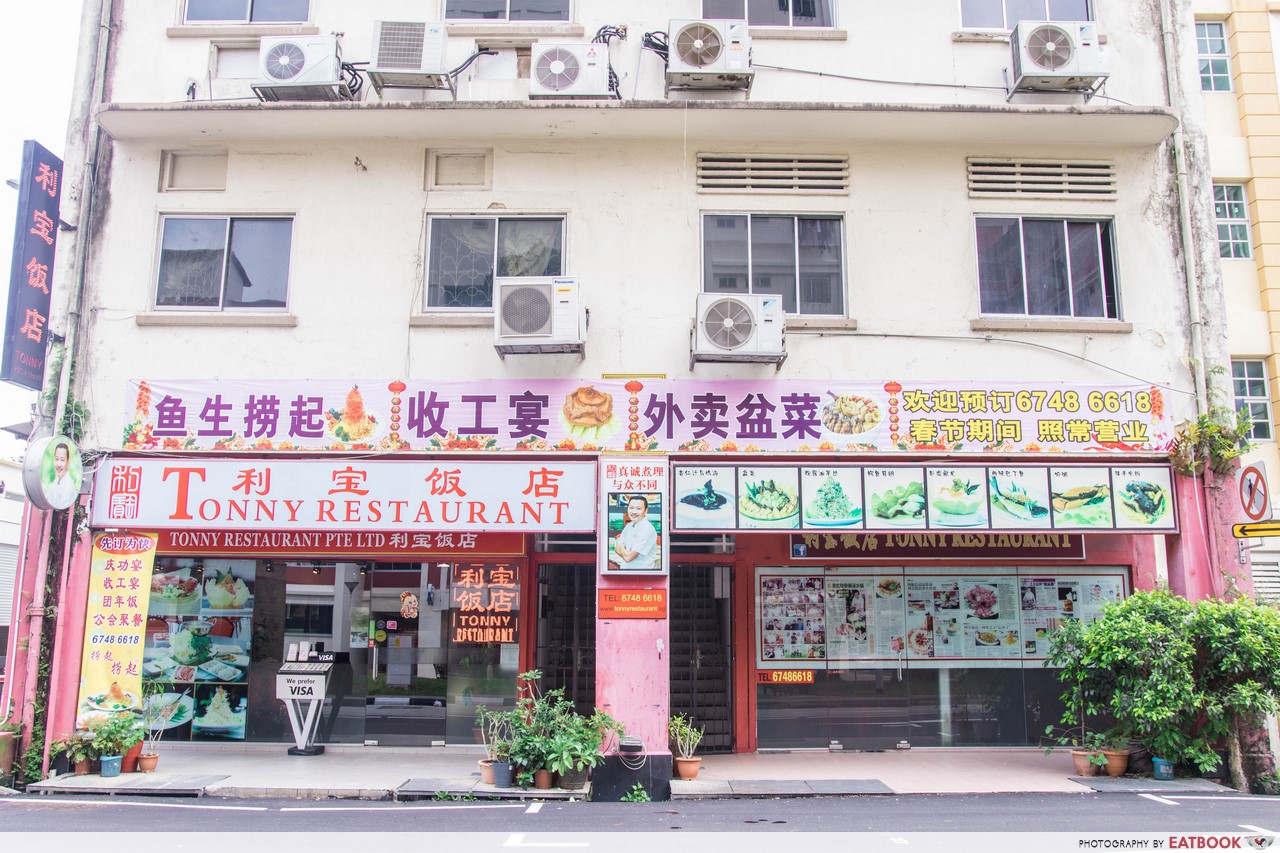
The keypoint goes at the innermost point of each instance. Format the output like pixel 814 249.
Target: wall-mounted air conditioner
pixel 746 327
pixel 537 314
pixel 709 55
pixel 300 68
pixel 569 71
pixel 409 55
pixel 1055 56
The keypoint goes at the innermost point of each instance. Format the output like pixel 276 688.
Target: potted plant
pixel 9 736
pixel 537 719
pixel 1066 650
pixel 685 739
pixel 112 738
pixel 157 716
pixel 79 750
pixel 497 730
pixel 573 751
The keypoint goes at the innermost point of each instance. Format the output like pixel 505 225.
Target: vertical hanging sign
pixel 35 238
pixel 115 626
pixel 634 516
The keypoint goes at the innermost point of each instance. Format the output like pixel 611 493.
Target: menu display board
pixel 833 498
pixel 197 645
pixel 877 617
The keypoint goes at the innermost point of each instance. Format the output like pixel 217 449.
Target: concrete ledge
pixel 427 788
pixel 1136 785
pixel 134 784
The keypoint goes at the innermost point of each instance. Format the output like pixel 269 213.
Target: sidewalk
pixel 266 770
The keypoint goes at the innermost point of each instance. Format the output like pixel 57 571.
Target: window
pixel 1232 215
pixel 466 252
pixel 506 10
pixel 220 262
pixel 1046 267
pixel 308 618
pixel 1211 47
pixel 1249 386
pixel 1005 14
pixel 799 258
pixel 772 13
pixel 247 11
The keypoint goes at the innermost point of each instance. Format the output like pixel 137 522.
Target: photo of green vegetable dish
pixel 901 503
pixel 767 501
pixel 831 505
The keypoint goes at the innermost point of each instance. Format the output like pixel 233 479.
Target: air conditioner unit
pixel 709 55
pixel 537 314
pixel 569 71
pixel 409 55
pixel 300 68
pixel 739 327
pixel 1055 56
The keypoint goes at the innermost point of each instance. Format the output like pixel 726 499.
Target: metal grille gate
pixel 701 655
pixel 566 651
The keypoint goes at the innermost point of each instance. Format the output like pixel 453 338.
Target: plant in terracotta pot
pixel 160 710
pixel 1066 650
pixel 575 749
pixel 112 738
pixel 9 737
pixel 79 750
pixel 685 738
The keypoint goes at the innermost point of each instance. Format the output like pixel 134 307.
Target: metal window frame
pixel 1204 45
pixel 506 18
pixel 228 219
pixel 795 242
pixel 1230 221
pixel 1004 13
pixel 247 19
pixel 1098 222
pixel 1249 400
pixel 426 266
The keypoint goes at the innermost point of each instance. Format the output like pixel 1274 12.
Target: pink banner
pixel 665 415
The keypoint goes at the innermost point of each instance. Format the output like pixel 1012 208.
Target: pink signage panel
pixel 667 415
pixel 410 496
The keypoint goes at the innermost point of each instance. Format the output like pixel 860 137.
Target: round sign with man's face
pixel 52 472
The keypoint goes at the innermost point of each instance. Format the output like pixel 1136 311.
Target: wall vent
pixel 773 173
pixel 1082 179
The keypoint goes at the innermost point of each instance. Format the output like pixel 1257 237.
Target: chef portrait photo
pixel 52 472
pixel 635 523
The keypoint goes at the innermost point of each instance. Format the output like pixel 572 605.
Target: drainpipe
pixel 1181 187
pixel 96 85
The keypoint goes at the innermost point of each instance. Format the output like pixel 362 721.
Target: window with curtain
pixel 1046 267
pixel 466 253
pixel 799 258
pixel 247 11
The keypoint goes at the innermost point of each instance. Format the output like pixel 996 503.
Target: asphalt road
pixel 1078 816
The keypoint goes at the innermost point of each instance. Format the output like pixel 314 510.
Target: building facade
pixel 710 358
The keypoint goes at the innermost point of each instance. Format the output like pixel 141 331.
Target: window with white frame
pixel 224 262
pixel 1005 14
pixel 1042 267
pixel 532 11
pixel 465 253
pixel 799 258
pixel 1231 212
pixel 247 11
pixel 1249 386
pixel 772 13
pixel 1211 49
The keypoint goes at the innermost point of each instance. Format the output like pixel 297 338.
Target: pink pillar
pixel 64 689
pixel 1198 558
pixel 633 668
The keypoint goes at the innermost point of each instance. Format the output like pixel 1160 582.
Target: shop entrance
pixel 566 650
pixel 701 651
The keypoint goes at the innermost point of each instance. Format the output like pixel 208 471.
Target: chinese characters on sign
pixel 34 241
pixel 357 504
pixel 115 625
pixel 666 415
pixel 486 603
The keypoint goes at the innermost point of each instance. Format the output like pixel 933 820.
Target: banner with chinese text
pixel 35 240
pixel 350 500
pixel 115 626
pixel 666 415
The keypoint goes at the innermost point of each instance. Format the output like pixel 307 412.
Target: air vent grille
pixel 400 44
pixel 800 174
pixel 1041 179
pixel 526 310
